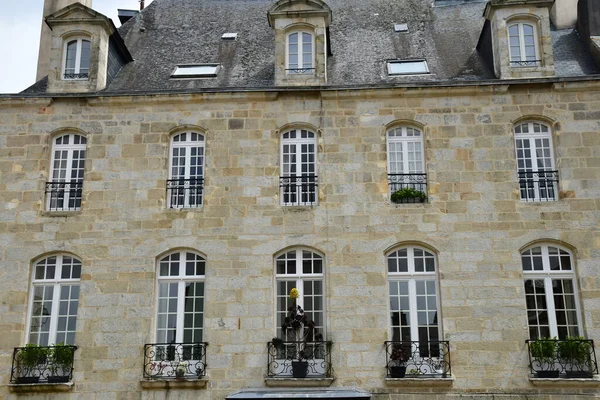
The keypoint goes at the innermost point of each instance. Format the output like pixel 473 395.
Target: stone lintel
pixel 41 387
pixel 298 382
pixel 420 382
pixel 174 384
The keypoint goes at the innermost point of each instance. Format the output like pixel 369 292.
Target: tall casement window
pixel 302 269
pixel 186 173
pixel 538 179
pixel 180 311
pixel 300 53
pixel 523 44
pixel 406 166
pixel 54 300
pixel 299 181
pixel 63 191
pixel 414 314
pixel 76 64
pixel 179 350
pixel 550 292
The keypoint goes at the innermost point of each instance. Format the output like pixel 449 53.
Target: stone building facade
pixel 477 223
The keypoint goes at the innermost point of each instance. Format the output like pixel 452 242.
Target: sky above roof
pixel 20 24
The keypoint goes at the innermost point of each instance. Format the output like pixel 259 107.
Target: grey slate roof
pixel 445 33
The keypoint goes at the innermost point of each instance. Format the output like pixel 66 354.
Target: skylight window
pixel 229 36
pixel 401 27
pixel 196 71
pixel 408 67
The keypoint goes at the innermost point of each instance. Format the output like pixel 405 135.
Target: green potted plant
pixel 61 363
pixel 574 353
pixel 30 361
pixel 408 195
pixel 302 330
pixel 543 354
pixel 398 359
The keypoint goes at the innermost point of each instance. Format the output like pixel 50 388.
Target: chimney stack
pixel 50 7
pixel 141 5
pixel 564 14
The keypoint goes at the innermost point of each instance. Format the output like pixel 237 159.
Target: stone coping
pixel 174 383
pixel 420 382
pixel 298 382
pixel 566 382
pixel 40 387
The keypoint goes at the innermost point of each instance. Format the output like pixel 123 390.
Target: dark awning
pixel 316 393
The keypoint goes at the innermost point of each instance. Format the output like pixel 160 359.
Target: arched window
pixel 179 350
pixel 180 310
pixel 185 186
pixel 299 179
pixel 76 64
pixel 300 53
pixel 538 179
pixel 66 173
pixel 406 165
pixel 523 44
pixel 550 292
pixel 302 269
pixel 414 303
pixel 54 300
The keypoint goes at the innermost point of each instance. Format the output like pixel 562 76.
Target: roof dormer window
pixel 300 53
pixel 196 71
pixel 523 45
pixel 407 67
pixel 76 59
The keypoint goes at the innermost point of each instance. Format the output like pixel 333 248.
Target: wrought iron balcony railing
pixel 185 193
pixel 299 359
pixel 42 364
pixel 526 63
pixel 300 70
pixel 300 190
pixel 63 196
pixel 412 187
pixel 175 360
pixel 539 185
pixel 82 75
pixel 418 359
pixel 568 358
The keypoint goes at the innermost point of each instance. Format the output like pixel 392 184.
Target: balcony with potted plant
pixel 418 363
pixel 42 368
pixel 175 365
pixel 561 360
pixel 303 358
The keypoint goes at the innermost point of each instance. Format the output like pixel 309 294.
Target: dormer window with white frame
pixel 523 42
pixel 76 62
pixel 300 52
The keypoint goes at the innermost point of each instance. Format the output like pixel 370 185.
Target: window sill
pixel 299 208
pixel 40 387
pixel 566 382
pixel 174 383
pixel 298 382
pixel 60 213
pixel 420 382
pixel 184 209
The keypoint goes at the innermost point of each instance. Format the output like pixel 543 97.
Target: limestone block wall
pixel 474 220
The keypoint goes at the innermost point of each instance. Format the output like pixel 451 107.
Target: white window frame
pixel 70 149
pixel 79 40
pixel 300 277
pixel 57 282
pixel 532 136
pixel 409 69
pixel 523 56
pixel 548 275
pixel 298 141
pixel 181 279
pixel 411 277
pixel 188 145
pixel 404 140
pixel 299 71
